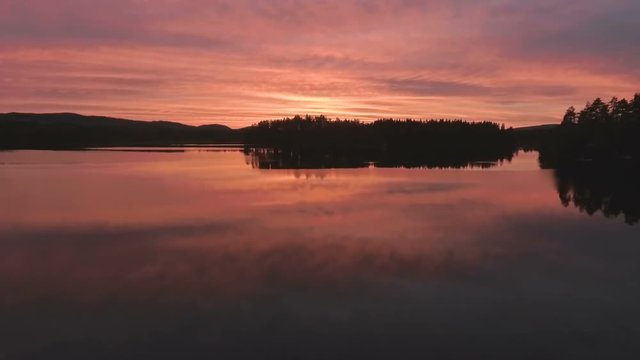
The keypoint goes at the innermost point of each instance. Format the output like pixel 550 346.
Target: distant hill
pixel 531 137
pixel 544 127
pixel 216 127
pixel 67 130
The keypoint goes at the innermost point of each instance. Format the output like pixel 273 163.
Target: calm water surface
pixel 199 255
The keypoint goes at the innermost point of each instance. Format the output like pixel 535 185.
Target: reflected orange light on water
pixel 209 225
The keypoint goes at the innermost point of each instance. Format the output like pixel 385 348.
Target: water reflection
pixel 270 158
pixel 609 191
pixel 198 255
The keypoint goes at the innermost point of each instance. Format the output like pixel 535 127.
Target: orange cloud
pixel 237 62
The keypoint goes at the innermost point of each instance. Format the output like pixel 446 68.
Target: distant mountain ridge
pixel 105 120
pixel 542 127
pixel 69 130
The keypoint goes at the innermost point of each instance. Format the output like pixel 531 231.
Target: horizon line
pixel 273 119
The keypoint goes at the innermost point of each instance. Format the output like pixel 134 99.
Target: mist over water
pixel 207 253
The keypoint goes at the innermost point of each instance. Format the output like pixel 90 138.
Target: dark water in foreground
pixel 198 255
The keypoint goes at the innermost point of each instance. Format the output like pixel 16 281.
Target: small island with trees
pixel 314 142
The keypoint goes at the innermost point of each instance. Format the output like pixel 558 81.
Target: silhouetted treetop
pixel 598 112
pixel 570 117
pixel 603 133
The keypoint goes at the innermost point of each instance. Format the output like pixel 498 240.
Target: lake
pixel 202 253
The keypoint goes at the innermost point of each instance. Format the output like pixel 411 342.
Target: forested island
pixel 300 142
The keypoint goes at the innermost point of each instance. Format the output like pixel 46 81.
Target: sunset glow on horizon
pixel 236 62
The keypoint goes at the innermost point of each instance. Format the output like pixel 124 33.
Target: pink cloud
pixel 237 62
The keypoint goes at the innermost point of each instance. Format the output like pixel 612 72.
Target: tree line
pixel 598 113
pixel 602 133
pixel 595 154
pixel 392 141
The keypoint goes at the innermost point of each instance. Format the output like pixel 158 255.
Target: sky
pixel 236 62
